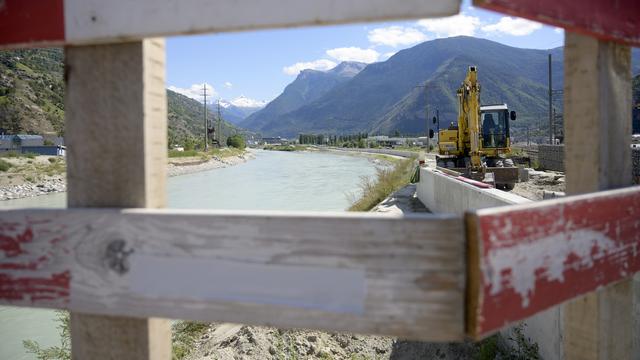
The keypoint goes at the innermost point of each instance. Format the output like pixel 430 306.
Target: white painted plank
pixel 92 21
pixel 363 273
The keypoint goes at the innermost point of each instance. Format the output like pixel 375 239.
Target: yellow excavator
pixel 476 146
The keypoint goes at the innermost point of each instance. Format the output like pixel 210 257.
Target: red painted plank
pixel 614 20
pixel 28 275
pixel 535 256
pixel 29 22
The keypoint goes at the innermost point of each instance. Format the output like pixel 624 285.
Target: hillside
pixel 32 91
pixel 185 117
pixel 308 86
pixel 32 97
pixel 383 97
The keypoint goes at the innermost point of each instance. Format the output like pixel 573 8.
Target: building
pixel 30 144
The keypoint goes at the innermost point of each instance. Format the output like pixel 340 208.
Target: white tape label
pixel 317 288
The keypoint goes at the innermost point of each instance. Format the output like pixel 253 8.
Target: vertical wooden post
pixel 116 124
pixel 597 105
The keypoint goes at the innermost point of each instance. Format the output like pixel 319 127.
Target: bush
pixel 387 180
pixel 236 141
pixel 4 165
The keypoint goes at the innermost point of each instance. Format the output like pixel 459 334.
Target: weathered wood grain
pixel 116 124
pixel 344 272
pixel 597 95
pixel 527 258
pixel 88 22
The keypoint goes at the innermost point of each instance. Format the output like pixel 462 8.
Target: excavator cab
pixel 494 129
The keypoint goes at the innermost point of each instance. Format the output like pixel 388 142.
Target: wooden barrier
pixel 25 23
pixel 524 259
pixel 358 273
pixel 400 276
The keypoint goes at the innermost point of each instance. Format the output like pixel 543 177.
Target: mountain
pixel 308 86
pixel 32 91
pixel 238 109
pixel 384 97
pixel 185 117
pixel 32 97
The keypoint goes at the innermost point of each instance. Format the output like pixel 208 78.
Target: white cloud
pixel 322 65
pixel 456 25
pixel 243 101
pixel 512 26
pixel 228 85
pixel 559 30
pixel 354 54
pixel 195 91
pixel 396 36
pixel 389 54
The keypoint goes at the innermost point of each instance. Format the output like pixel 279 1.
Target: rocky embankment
pixel 178 167
pixel 33 177
pixel 28 189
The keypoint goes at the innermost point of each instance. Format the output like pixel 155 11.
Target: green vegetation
pixel 32 91
pixel 284 148
pixel 61 352
pixel 386 181
pixel 236 141
pixel 221 153
pixel 184 336
pixel 4 165
pixel 495 347
pixel 185 122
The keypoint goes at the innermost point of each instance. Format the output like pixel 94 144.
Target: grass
pixel 13 154
pixel 184 337
pixel 386 181
pixel 4 165
pixel 224 152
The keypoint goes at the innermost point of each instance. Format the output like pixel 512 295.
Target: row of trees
pixel 333 140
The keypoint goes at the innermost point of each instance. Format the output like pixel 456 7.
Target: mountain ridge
pixel 385 97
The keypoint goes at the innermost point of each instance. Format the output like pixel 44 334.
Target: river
pixel 273 181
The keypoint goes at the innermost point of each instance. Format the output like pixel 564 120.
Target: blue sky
pixel 258 65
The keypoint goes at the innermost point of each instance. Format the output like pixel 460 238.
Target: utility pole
pixel 206 123
pixel 550 104
pixel 426 110
pixel 219 122
pixel 553 134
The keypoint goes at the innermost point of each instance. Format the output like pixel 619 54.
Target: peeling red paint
pixel 604 19
pixel 12 245
pixel 535 257
pixel 35 289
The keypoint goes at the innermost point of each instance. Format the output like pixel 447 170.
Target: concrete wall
pixel 441 193
pixel 551 157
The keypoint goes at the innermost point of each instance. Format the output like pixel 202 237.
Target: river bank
pixel 41 175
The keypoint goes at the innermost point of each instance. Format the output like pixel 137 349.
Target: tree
pixel 62 352
pixel 236 141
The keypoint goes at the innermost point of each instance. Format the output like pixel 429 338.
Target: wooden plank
pixel 597 95
pixel 116 131
pixel 527 258
pixel 602 19
pixel 96 21
pixel 362 273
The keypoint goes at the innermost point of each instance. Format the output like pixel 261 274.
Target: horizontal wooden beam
pixel 83 22
pixel 526 258
pixel 604 19
pixel 363 273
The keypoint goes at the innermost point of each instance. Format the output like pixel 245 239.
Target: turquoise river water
pixel 272 181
